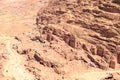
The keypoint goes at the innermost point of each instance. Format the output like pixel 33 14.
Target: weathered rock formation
pixel 99 19
pixel 73 31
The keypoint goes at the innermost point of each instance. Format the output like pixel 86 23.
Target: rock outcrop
pixel 71 34
pixel 99 19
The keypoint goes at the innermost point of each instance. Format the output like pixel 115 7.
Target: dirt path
pixel 96 74
pixel 16 17
pixel 13 68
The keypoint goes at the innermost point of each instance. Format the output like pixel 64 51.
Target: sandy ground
pixel 13 67
pixel 18 16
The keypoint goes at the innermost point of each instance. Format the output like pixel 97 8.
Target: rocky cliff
pixel 90 25
pixel 72 36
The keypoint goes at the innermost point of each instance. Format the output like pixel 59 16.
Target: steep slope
pixel 72 40
pixel 84 31
pixel 74 37
pixel 95 24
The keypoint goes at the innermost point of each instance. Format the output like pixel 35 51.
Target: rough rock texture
pixel 72 36
pixel 95 27
pixel 74 31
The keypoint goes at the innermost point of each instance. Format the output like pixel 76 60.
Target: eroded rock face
pixel 70 40
pixel 73 31
pixel 118 58
pixel 101 17
pixel 112 64
pixel 51 32
pixel 100 51
pixel 116 1
pixel 99 62
pixel 109 8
